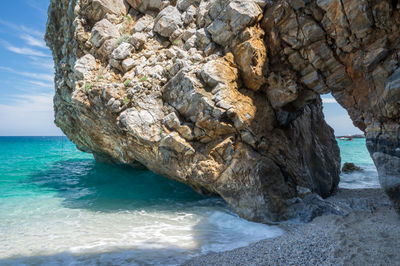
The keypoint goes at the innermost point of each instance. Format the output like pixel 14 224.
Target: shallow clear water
pixel 356 152
pixel 58 206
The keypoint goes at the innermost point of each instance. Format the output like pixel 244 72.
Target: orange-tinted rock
pixel 227 101
pixel 251 56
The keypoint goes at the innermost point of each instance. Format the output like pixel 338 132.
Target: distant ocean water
pixel 58 206
pixel 356 152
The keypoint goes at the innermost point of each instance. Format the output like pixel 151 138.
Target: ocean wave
pixel 367 178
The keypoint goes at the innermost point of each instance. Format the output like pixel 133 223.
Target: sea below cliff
pixel 58 206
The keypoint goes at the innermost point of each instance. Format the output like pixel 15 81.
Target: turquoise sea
pixel 58 206
pixel 356 152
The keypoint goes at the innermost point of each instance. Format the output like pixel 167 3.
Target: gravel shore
pixel 368 235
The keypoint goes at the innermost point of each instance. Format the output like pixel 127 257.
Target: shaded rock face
pixel 224 95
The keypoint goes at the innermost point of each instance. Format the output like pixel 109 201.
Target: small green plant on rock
pixel 144 78
pixel 177 42
pixel 127 82
pixel 126 100
pixel 123 38
pixel 88 86
pixel 99 77
pixel 126 23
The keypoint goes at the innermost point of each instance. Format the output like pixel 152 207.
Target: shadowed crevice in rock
pixel 224 95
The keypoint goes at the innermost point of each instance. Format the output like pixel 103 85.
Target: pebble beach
pixel 368 235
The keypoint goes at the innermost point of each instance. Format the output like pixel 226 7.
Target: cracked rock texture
pixel 224 95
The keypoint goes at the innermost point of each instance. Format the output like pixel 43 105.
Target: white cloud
pixel 22 28
pixel 42 84
pixel 38 76
pixel 42 62
pixel 24 50
pixel 40 102
pixel 32 41
pixel 28 115
pixel 329 100
pixel 31 37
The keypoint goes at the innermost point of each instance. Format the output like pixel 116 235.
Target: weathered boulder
pixel 232 19
pixel 350 167
pixel 224 95
pixel 250 56
pixel 102 31
pixel 96 10
pixel 137 40
pixel 168 21
pixel 84 66
pixel 122 51
pixel 183 5
pixel 148 5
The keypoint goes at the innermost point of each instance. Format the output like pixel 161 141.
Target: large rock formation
pixel 224 95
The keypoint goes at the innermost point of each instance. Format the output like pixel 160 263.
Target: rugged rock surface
pixel 350 167
pixel 224 95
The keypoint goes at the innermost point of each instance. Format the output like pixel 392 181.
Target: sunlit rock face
pixel 224 95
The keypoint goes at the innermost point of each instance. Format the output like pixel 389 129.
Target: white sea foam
pixel 367 178
pixel 47 233
pixel 228 232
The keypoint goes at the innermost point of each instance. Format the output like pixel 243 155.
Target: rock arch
pixel 224 95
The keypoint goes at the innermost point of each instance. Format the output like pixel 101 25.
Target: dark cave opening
pixel 394 3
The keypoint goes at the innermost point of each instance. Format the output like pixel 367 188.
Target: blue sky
pixel 26 70
pixel 338 118
pixel 26 74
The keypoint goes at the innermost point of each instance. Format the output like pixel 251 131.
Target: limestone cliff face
pixel 224 95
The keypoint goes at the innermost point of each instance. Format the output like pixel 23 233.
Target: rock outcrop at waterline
pixel 224 95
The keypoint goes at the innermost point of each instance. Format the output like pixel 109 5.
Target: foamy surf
pixel 367 178
pixel 149 236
